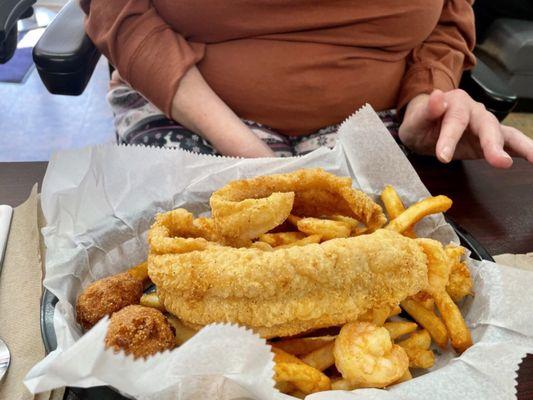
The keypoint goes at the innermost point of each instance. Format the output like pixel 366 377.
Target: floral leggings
pixel 139 122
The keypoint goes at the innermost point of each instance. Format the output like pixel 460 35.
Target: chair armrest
pixel 485 86
pixel 65 56
pixel 10 12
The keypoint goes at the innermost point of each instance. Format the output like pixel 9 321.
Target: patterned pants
pixel 137 121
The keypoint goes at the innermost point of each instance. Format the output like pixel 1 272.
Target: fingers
pixel 463 113
pixel 437 105
pixel 454 124
pixel 518 143
pixel 491 138
pixel 420 115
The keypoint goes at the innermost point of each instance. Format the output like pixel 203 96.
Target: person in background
pixel 275 78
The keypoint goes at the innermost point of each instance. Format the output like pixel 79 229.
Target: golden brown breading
pixel 141 331
pixel 291 290
pixel 175 232
pixel 460 283
pixel 245 209
pixel 105 296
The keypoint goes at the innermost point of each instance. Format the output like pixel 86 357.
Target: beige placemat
pixel 523 261
pixel 20 296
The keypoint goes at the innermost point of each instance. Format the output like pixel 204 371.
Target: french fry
pixel 417 348
pixel 321 358
pixel 293 219
pixel 152 300
pixel 305 378
pixel 400 328
pixel 377 316
pixel 395 311
pixel 392 202
pixel 140 272
pixel 281 238
pixel 326 228
pixel 425 299
pixel 352 222
pixel 438 275
pixel 460 282
pixel 394 206
pixel 417 211
pixel 302 242
pixel 427 319
pixel 302 346
pixel 261 246
pixel 460 336
pixel 380 315
pixel 420 339
pixel 182 332
pixel 356 227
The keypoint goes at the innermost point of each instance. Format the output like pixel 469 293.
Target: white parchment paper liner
pixel 99 203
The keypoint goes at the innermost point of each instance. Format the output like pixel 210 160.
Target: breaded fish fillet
pixel 246 208
pixel 291 290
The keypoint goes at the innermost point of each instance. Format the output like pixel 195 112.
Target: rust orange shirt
pixel 293 65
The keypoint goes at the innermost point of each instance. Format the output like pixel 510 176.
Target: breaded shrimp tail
pixel 291 290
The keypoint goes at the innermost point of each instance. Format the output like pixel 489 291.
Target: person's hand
pixel 452 125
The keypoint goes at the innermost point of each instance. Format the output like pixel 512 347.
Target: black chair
pixel 65 58
pixel 508 49
pixel 10 12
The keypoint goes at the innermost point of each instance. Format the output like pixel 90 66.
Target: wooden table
pixel 495 206
pixel 17 179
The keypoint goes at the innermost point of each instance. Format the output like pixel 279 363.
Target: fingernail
pixel 507 156
pixel 446 154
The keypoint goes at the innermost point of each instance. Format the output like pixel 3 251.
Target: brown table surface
pixel 495 206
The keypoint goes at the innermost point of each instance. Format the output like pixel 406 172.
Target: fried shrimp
pixel 366 356
pixel 141 331
pixel 106 296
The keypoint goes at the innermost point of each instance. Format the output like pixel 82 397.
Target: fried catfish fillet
pixel 244 209
pixel 291 290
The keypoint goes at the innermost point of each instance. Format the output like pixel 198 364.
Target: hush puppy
pixel 106 296
pixel 141 331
